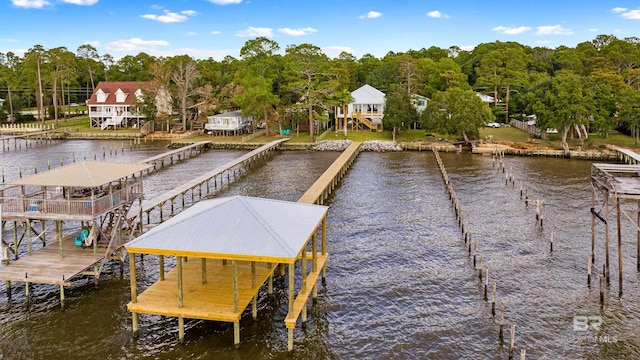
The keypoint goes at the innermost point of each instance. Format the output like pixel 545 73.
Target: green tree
pixel 456 112
pixel 629 111
pixel 399 113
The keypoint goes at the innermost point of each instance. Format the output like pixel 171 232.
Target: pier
pixel 203 181
pixel 181 153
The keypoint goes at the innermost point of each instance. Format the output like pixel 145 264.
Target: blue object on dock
pixel 79 240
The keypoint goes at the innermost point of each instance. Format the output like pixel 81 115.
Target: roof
pixel 367 94
pixel 237 227
pixel 82 174
pixel 110 88
pixel 236 113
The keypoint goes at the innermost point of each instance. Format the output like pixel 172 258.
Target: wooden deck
pixel 210 301
pixel 44 266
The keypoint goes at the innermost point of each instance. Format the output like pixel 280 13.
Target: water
pixel 400 283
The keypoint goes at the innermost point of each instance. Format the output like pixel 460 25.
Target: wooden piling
pixel 493 300
pixel 619 246
pixel 589 265
pixel 513 340
pixel 501 322
pixel 601 289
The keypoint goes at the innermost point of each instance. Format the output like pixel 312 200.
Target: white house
pixel 486 98
pixel 112 103
pixel 232 121
pixel 367 108
pixel 1 102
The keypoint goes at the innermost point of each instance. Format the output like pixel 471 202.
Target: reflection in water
pixel 400 283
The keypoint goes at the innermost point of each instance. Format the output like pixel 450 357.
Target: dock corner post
pixel 136 327
pixel 62 296
pixel 181 329
pixel 161 265
pixel 132 276
pixel 290 339
pixel 324 247
pixel 619 244
pixel 179 267
pixel 236 334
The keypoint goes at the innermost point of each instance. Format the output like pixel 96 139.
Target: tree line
pixel 596 83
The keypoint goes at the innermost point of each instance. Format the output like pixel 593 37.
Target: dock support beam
pixel 134 291
pixel 619 246
pixel 291 301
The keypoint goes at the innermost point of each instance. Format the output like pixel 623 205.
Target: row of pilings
pixel 475 258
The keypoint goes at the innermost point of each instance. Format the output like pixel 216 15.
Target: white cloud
pixel 553 30
pixel 512 30
pixel 334 51
pixel 618 9
pixel 135 44
pixel 225 2
pixel 81 2
pixel 94 43
pixel 8 40
pixel 467 47
pixel 437 15
pixel 370 15
pixel 543 42
pixel 631 15
pixel 593 30
pixel 297 32
pixel 169 16
pixel 192 33
pixel 216 32
pixel 255 32
pixel 30 4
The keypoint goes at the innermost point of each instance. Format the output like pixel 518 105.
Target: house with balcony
pixel 114 104
pixel 228 123
pixel 366 110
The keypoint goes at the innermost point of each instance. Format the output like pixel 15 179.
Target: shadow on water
pixel 400 281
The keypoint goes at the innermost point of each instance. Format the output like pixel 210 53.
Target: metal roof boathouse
pixel 226 249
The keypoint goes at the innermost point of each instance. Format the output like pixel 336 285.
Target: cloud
pixel 543 42
pixel 512 30
pixel 8 40
pixel 631 15
pixel 437 15
pixel 81 2
pixel 94 43
pixel 297 32
pixel 169 16
pixel 30 4
pixel 335 51
pixel 593 30
pixel 370 15
pixel 225 2
pixel 255 32
pixel 216 32
pixel 467 47
pixel 618 10
pixel 553 30
pixel 135 44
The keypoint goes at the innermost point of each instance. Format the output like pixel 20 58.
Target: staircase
pixel 361 120
pixel 112 121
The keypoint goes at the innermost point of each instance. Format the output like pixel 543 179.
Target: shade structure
pixel 237 227
pixel 82 174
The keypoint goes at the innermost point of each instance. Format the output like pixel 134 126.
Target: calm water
pixel 400 283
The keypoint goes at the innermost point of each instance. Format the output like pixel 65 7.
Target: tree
pixel 563 102
pixel 89 55
pixel 409 72
pixel 184 75
pixel 8 73
pixel 306 65
pixel 629 111
pixel 399 112
pixel 61 60
pixel 456 111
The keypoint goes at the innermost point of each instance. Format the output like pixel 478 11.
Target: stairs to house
pixel 112 121
pixel 359 121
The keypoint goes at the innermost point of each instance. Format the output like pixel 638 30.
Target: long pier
pixel 627 156
pixel 177 154
pixel 198 183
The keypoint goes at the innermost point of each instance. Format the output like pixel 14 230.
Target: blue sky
pixel 216 28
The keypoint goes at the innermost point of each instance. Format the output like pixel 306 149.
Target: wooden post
pixel 601 289
pixel 236 334
pixel 606 239
pixel 619 245
pixel 161 270
pixel 204 270
pixel 181 329
pixel 493 300
pixel 589 265
pixel 303 287
pixel 234 268
pixel 179 267
pixel 501 322
pixel 254 301
pixel 523 354
pixel 324 247
pixel 513 339
pixel 29 236
pixel 291 300
pixel 551 245
pixel 62 294
pixel 486 282
pixel 134 295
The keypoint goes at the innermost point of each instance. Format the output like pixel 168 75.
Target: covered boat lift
pixel 226 249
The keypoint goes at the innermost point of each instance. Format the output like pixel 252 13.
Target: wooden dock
pixel 326 183
pixel 45 266
pixel 627 156
pixel 178 154
pixel 198 183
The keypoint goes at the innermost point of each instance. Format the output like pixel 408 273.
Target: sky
pixel 217 28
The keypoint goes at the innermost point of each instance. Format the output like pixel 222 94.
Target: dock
pixel 627 156
pixel 181 153
pixel 203 181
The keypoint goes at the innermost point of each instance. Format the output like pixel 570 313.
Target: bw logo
pixel 583 323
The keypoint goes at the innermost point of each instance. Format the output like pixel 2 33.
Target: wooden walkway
pixel 627 156
pixel 45 266
pixel 323 187
pixel 178 154
pixel 198 183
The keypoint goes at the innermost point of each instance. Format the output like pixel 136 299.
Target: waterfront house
pixel 227 123
pixel 419 102
pixel 366 110
pixel 115 103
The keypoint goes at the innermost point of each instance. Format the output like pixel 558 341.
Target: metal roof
pixel 367 94
pixel 237 227
pixel 82 174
